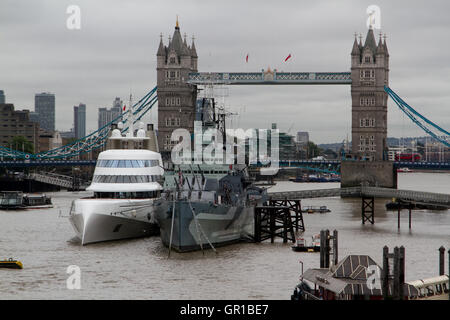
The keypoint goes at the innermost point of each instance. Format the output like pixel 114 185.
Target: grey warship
pixel 210 206
pixel 207 205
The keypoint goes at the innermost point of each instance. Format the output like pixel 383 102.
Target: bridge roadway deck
pixel 364 191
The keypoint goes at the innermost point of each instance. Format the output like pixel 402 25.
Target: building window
pixel 172 60
pixel 367 123
pixel 367 59
pixel 367 100
pixel 367 74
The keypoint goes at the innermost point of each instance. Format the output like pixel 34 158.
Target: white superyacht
pixel 125 186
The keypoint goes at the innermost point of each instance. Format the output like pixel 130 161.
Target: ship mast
pixel 130 118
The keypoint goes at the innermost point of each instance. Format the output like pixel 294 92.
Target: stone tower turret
pixel 369 73
pixel 176 98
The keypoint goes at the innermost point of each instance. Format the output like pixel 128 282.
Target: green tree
pixel 313 150
pixel 20 143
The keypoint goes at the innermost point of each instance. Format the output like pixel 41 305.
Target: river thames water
pixel 140 268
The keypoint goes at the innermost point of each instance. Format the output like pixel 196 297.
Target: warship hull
pixel 196 225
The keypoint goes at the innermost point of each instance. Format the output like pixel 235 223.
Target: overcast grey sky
pixel 115 51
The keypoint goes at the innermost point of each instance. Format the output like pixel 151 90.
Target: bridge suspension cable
pixel 414 115
pixel 93 140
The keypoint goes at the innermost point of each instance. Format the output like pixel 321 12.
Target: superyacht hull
pixel 215 224
pixel 92 223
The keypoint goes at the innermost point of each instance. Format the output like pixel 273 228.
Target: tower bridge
pixel 178 79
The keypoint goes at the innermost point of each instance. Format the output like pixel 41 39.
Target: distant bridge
pixel 315 165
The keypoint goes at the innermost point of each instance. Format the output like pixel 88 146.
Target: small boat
pixel 10 200
pixel 301 246
pixel 311 209
pixel 11 264
pixel 404 170
pixel 37 201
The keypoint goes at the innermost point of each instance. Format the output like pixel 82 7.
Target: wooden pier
pixel 368 195
pixel 278 218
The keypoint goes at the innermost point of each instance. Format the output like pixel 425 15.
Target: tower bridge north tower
pixel 176 97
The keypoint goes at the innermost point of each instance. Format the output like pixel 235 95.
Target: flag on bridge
pixel 124 107
pixel 246 58
pixel 288 57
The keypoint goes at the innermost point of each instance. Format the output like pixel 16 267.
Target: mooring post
pixel 363 210
pixel 322 249
pixel 398 216
pixel 396 292
pixel 401 275
pixel 441 261
pixel 285 226
pixel 272 224
pixel 335 247
pixel 410 209
pixel 257 225
pixel 385 275
pixel 327 248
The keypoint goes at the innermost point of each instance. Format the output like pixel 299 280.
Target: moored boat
pixel 302 246
pixel 126 183
pixel 211 206
pixel 11 264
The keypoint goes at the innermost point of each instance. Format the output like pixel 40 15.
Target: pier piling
pixel 326 248
pixel 398 275
pixel 441 261
pixel 278 218
pixel 385 274
pixel 367 209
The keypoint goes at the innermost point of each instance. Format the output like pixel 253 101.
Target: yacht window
pixel 125 178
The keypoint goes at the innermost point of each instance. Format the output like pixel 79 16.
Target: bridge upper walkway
pixel 268 77
pixel 365 191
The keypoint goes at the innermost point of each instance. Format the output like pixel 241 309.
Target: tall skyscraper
pixel 79 119
pixel 34 116
pixel 44 105
pixel 176 98
pixel 107 115
pixel 2 97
